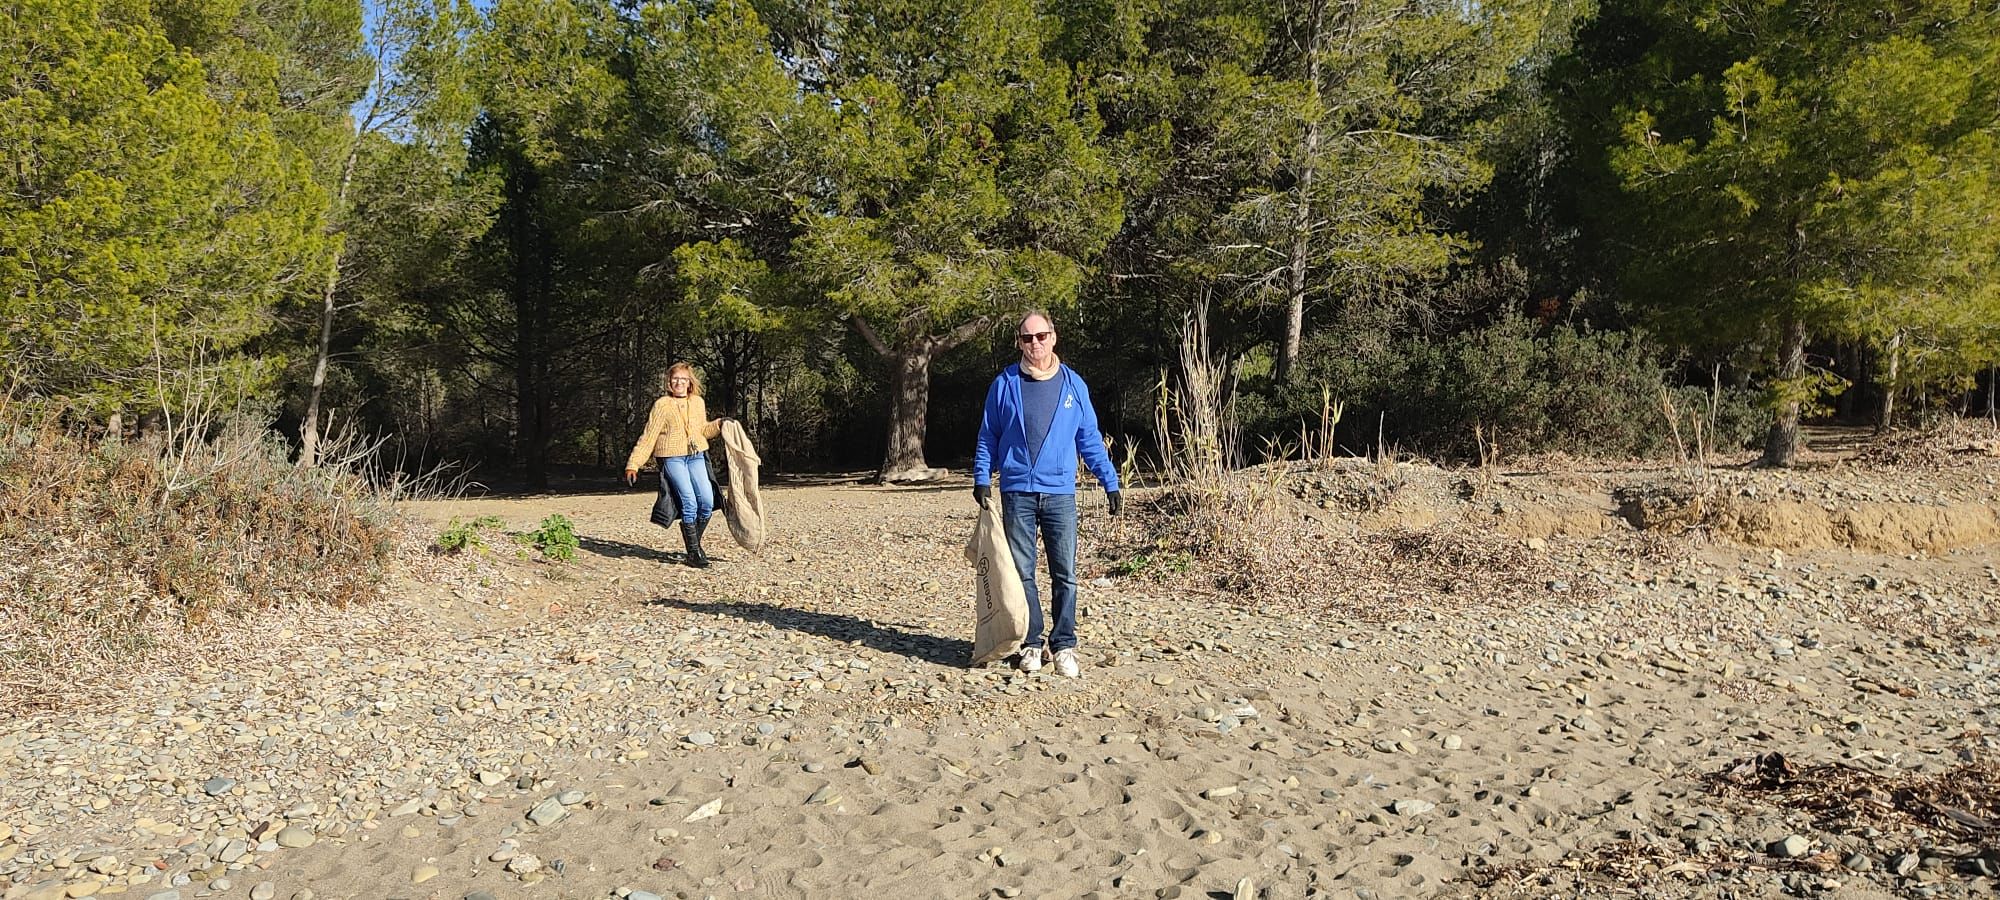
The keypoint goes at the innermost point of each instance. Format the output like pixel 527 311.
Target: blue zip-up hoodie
pixel 1003 439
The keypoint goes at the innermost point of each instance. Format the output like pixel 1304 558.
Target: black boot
pixel 691 534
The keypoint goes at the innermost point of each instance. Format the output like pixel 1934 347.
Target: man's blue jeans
pixel 1054 516
pixel 689 477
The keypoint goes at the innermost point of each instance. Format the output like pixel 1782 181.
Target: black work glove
pixel 1116 502
pixel 982 493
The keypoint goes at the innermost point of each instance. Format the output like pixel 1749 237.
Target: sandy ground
pixel 802 724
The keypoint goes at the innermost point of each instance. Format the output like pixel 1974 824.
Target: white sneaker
pixel 1066 662
pixel 1030 661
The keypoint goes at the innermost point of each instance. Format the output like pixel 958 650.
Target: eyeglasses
pixel 1034 336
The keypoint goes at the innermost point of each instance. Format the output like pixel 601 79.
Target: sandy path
pixel 801 724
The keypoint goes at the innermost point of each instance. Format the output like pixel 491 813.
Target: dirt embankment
pixel 1854 504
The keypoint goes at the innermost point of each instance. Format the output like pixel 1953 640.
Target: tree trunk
pixel 910 395
pixel 309 429
pixel 531 293
pixel 1781 445
pixel 1993 393
pixel 1892 366
pixel 1302 211
pixel 910 399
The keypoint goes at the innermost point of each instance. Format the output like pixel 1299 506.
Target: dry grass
pixel 1898 811
pixel 1253 541
pixel 111 550
pixel 1962 804
pixel 1943 446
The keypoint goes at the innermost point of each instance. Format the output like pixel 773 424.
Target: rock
pixel 48 891
pixel 1411 807
pixel 1246 889
pixel 547 812
pixel 1217 793
pixel 83 889
pixel 1453 742
pixel 701 739
pixel 263 891
pixel 524 864
pixel 705 810
pixel 217 786
pixel 1905 864
pixel 642 895
pixel 293 837
pixel 1163 679
pixel 423 873
pixel 1858 862
pixel 571 797
pixel 480 895
pixel 1791 847
pixel 165 895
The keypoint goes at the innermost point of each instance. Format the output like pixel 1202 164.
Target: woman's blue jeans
pixel 1054 516
pixel 689 477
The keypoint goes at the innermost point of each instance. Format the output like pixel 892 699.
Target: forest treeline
pixel 486 230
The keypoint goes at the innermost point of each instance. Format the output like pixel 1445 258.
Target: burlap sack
pixel 742 505
pixel 1000 608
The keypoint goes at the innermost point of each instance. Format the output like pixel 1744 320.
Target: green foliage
pixel 1156 565
pixel 1525 386
pixel 152 218
pixel 554 537
pixel 461 535
pixel 965 176
pixel 1815 165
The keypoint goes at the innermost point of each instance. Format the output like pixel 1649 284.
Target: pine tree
pixel 1800 169
pixel 153 218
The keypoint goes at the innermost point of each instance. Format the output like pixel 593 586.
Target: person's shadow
pixel 952 652
pixel 623 550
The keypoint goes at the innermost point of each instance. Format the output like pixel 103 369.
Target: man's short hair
pixel 1039 312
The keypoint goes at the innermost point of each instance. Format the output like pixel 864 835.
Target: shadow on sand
pixel 622 550
pixel 951 652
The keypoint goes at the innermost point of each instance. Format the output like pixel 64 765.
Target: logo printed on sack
pixel 1069 400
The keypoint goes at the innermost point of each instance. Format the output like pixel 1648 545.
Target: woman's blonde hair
pixel 694 381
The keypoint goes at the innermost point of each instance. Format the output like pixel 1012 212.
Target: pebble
pixel 263 891
pixel 480 895
pixel 571 797
pixel 1791 847
pixel 547 812
pixel 423 873
pixel 217 786
pixel 701 739
pixel 1412 806
pixel 524 864
pixel 294 837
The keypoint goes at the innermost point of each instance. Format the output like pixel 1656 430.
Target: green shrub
pixel 1528 387
pixel 554 537
pixel 460 535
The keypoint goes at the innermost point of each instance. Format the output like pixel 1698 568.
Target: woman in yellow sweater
pixel 677 433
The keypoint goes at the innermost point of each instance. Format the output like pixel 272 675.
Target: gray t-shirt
pixel 1038 410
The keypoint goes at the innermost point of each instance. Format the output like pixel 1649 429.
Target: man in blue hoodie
pixel 1038 419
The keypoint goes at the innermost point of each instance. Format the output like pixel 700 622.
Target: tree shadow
pixel 951 652
pixel 623 550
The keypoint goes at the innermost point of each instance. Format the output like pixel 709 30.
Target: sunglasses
pixel 1034 336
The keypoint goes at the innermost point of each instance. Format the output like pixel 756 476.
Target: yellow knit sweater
pixel 677 426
